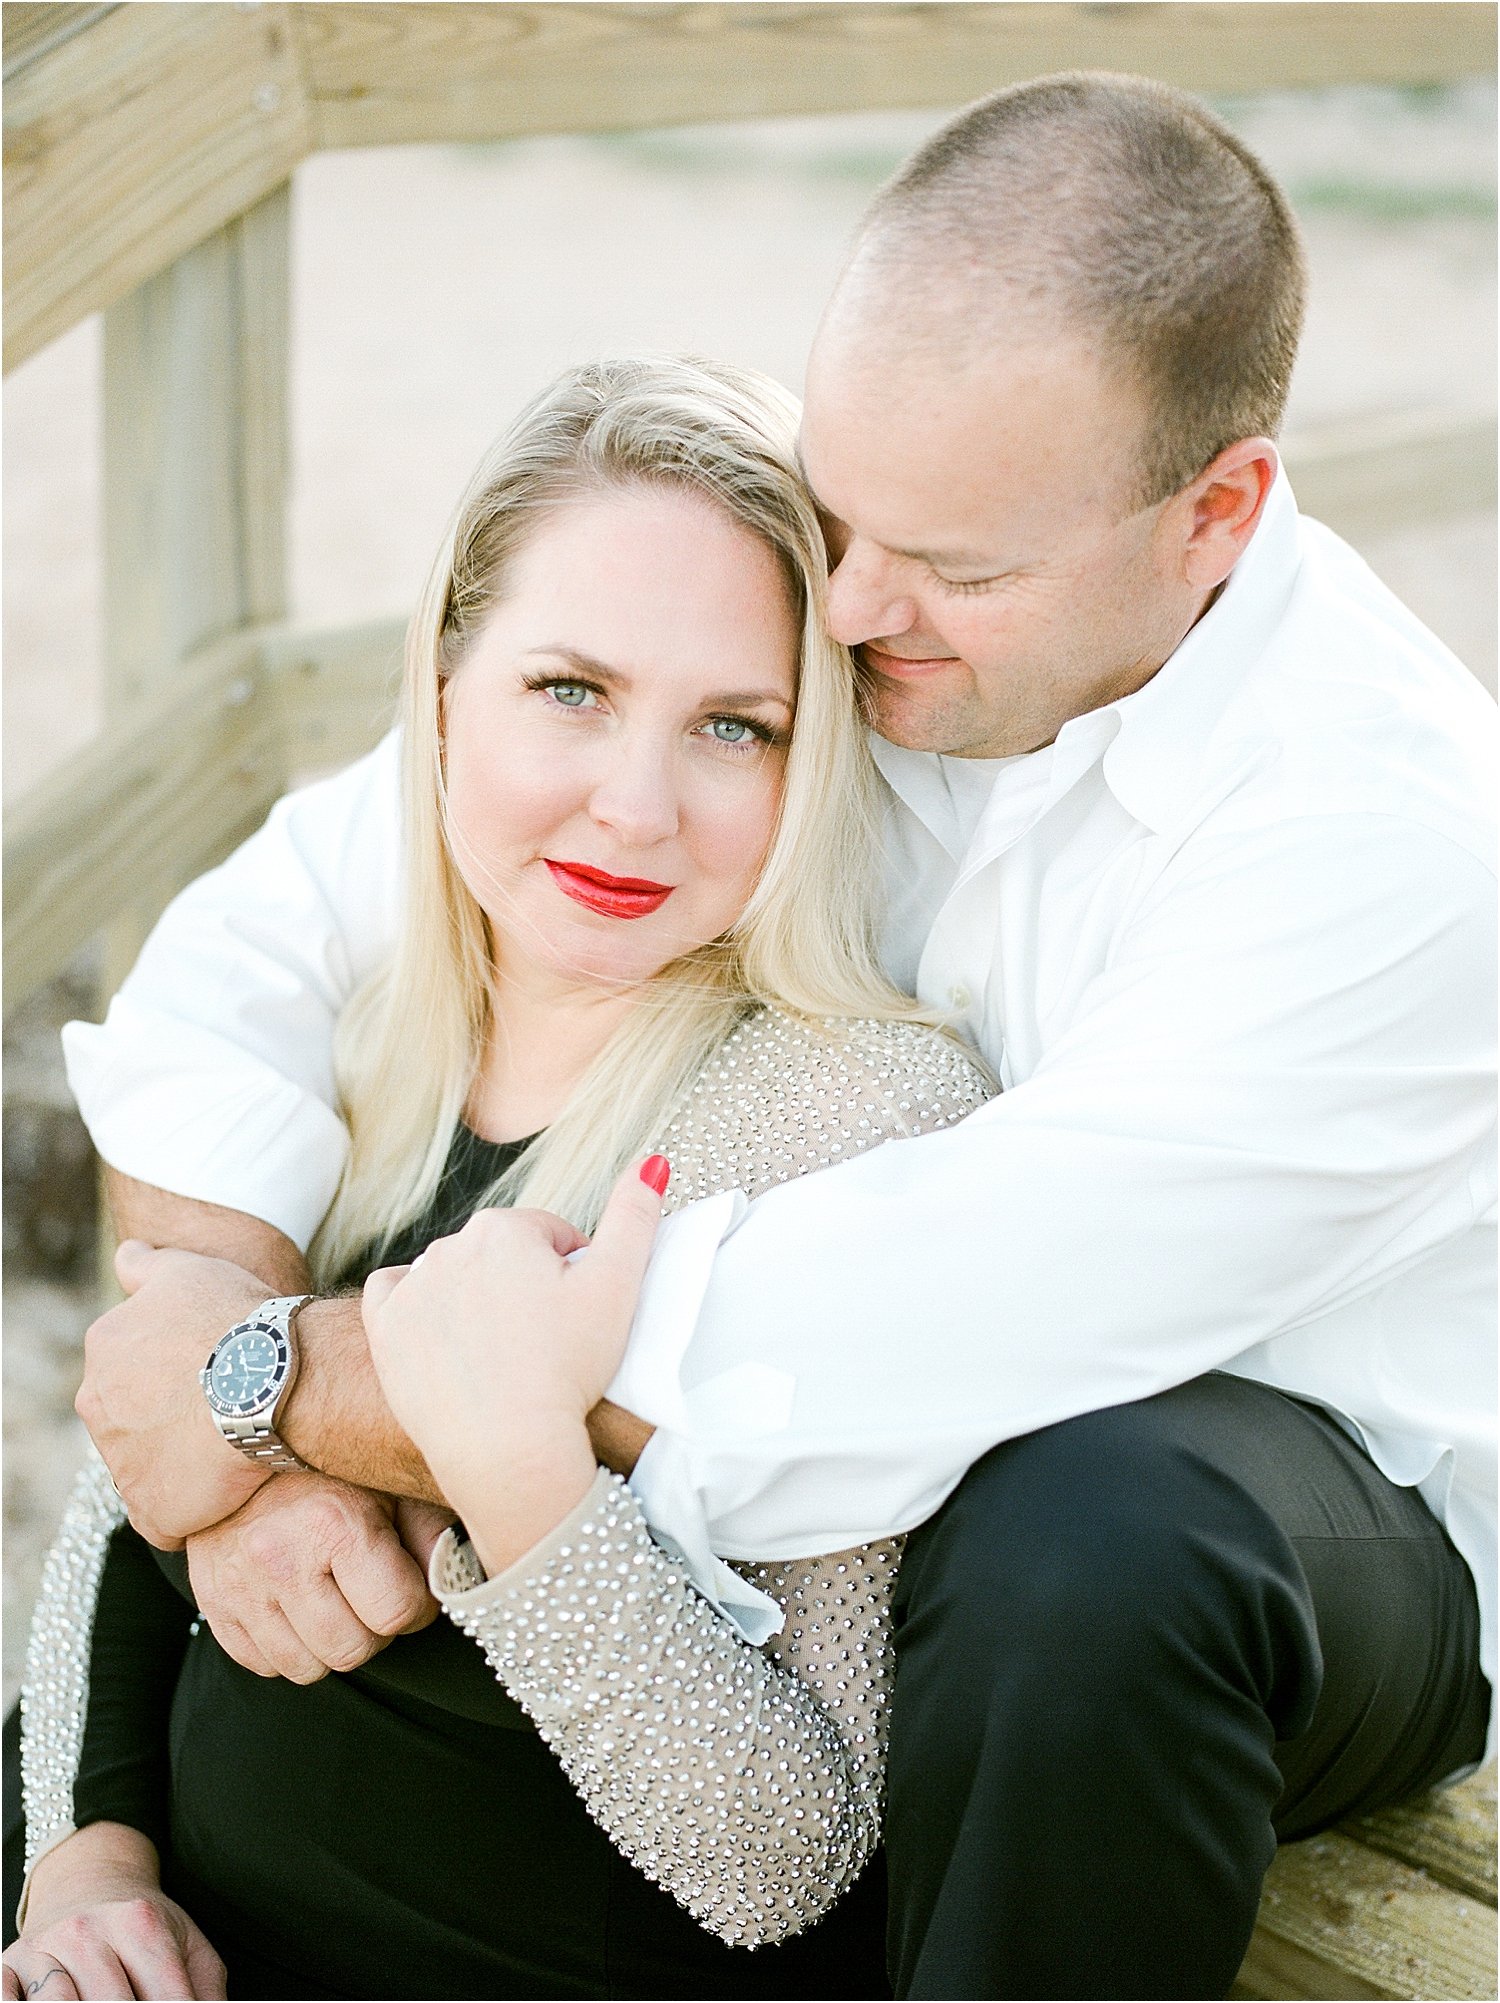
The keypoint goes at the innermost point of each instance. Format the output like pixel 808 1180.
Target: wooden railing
pixel 148 151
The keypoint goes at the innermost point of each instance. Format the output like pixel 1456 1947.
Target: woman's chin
pixel 597 960
pixel 589 949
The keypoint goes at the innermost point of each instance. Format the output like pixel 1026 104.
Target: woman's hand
pixel 493 1348
pixel 99 1925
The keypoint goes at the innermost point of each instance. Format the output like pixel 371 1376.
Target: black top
pixel 473 1164
pixel 402 1830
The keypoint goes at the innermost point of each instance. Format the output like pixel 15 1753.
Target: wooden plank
pixel 377 74
pixel 336 688
pixel 130 141
pixel 1339 1920
pixel 1386 470
pixel 142 128
pixel 1450 1835
pixel 195 451
pixel 159 801
pixel 30 32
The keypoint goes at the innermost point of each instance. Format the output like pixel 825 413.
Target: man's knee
pixel 1105 1550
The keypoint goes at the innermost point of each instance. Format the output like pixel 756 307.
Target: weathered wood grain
pixel 30 31
pixel 1340 1920
pixel 195 456
pixel 336 688
pixel 378 74
pixel 148 803
pixel 195 451
pixel 1450 1835
pixel 130 141
pixel 144 127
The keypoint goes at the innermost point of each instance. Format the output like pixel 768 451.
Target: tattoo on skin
pixel 36 1988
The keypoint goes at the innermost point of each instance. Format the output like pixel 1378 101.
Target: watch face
pixel 245 1370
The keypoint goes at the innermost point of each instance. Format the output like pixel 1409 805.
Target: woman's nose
pixel 863 603
pixel 636 795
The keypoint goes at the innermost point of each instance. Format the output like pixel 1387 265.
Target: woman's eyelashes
pixel 734 734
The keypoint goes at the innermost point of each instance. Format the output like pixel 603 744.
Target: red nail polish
pixel 656 1173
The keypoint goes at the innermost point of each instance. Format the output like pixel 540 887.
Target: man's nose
pixel 636 795
pixel 864 600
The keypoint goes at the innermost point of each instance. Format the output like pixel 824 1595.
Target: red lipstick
pixel 610 896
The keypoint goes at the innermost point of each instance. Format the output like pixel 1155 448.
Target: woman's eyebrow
pixel 586 664
pixel 601 671
pixel 749 699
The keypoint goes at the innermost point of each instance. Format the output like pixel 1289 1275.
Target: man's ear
pixel 1222 507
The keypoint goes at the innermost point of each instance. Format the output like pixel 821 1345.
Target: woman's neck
pixel 544 1033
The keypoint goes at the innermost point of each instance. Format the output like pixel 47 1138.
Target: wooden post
pixel 195 460
pixel 195 451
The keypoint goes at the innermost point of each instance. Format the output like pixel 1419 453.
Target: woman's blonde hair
pixel 410 1042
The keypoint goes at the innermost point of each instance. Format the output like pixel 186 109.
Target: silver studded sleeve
pixel 55 1685
pixel 747 1782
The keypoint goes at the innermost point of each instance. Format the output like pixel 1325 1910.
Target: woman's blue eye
pixel 574 694
pixel 731 730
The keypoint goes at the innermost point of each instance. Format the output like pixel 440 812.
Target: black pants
pixel 1134 1651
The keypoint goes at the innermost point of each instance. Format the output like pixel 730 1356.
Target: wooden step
pixel 1399 1905
pixel 1450 1835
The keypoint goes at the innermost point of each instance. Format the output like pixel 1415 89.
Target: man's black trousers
pixel 1135 1650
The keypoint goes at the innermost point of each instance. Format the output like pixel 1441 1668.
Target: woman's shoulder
pixel 786 1094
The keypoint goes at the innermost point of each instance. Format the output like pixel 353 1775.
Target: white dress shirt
pixel 1229 945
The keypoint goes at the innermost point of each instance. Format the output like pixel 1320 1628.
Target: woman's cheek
pixel 738 833
pixel 508 810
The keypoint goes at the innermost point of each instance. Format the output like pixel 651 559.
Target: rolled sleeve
pixel 212 1074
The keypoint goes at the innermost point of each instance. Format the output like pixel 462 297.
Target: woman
pixel 640 822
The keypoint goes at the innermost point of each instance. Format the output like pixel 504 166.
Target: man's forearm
pixel 336 1418
pixel 159 1218
pixel 338 1421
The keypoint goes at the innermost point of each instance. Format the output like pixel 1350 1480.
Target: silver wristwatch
pixel 247 1377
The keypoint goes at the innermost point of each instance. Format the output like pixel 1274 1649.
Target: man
pixel 1188 832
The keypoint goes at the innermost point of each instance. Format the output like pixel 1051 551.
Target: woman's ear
pixel 1223 506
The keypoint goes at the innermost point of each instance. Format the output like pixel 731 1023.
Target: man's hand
pixel 141 1399
pixel 336 1418
pixel 311 1575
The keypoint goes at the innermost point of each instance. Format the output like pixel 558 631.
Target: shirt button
pixel 959 998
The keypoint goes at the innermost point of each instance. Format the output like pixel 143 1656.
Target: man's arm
pixel 1275 1101
pixel 336 1418
pixel 141 1397
pixel 213 1070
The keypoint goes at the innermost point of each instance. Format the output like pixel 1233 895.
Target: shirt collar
pixel 1153 767
pixel 1151 742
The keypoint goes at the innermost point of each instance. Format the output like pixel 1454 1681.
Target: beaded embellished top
pixel 746 1781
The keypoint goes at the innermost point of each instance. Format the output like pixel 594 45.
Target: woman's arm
pixel 106 1646
pixel 748 1787
pixel 98 1917
pixel 745 1782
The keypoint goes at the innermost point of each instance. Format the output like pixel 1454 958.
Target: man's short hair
pixel 1128 210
